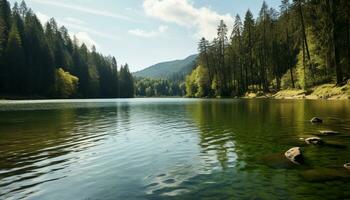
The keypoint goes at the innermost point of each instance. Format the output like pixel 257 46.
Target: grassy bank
pixel 325 91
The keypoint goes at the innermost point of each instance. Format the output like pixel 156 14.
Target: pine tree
pixel 14 57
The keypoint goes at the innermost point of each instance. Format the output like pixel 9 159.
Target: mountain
pixel 169 70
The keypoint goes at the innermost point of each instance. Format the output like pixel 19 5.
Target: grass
pixel 331 91
pixel 324 91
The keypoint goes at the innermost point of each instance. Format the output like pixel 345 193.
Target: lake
pixel 171 149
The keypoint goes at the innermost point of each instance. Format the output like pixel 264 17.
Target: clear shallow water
pixel 168 149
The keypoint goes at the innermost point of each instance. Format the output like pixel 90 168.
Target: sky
pixel 144 32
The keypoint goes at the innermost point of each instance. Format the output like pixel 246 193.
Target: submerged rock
pixel 314 140
pixel 325 174
pixel 347 166
pixel 316 120
pixel 329 132
pixel 295 156
pixel 277 160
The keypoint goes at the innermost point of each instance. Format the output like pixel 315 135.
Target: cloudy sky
pixel 144 32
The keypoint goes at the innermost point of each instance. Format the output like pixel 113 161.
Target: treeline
pixel 145 87
pixel 46 62
pixel 304 44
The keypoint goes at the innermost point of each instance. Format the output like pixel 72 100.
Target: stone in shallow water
pixel 347 166
pixel 314 140
pixel 316 120
pixel 329 132
pixel 325 174
pixel 294 155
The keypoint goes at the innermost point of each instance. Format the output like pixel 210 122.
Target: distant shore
pixel 325 91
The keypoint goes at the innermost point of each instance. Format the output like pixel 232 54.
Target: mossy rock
pixel 326 174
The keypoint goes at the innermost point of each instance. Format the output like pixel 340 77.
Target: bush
pixel 66 84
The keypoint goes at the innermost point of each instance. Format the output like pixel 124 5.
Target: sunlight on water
pixel 167 148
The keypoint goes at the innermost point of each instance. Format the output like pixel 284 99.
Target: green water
pixel 170 149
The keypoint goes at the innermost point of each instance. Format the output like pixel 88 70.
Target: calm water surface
pixel 168 149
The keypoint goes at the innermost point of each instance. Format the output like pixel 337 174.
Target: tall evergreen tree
pixel 14 59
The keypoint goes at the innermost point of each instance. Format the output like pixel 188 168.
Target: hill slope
pixel 169 69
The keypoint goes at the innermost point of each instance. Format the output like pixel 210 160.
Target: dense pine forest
pixel 148 87
pixel 44 61
pixel 303 44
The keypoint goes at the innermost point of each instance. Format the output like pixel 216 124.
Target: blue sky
pixel 144 32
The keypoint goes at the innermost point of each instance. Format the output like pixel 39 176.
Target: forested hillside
pixel 164 79
pixel 146 87
pixel 303 44
pixel 177 69
pixel 44 61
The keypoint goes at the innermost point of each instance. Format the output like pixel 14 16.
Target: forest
pixel 44 61
pixel 148 87
pixel 303 44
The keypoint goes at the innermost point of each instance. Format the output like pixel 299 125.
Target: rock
pixel 325 174
pixel 316 120
pixel 347 166
pixel 295 156
pixel 329 132
pixel 314 140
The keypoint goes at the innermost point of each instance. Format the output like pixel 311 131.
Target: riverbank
pixel 325 91
pixel 21 97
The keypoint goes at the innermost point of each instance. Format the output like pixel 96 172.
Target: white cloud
pixel 181 12
pixel 74 20
pixel 84 37
pixel 148 34
pixel 77 24
pixel 42 17
pixel 91 31
pixel 80 8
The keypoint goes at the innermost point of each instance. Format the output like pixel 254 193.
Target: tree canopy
pixel 305 43
pixel 37 60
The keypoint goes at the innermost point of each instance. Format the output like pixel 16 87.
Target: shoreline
pixel 321 92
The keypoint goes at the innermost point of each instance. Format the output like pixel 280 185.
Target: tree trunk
pixel 334 36
pixel 348 43
pixel 289 62
pixel 305 40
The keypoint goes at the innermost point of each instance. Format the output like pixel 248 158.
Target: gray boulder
pixel 347 166
pixel 295 156
pixel 316 120
pixel 314 140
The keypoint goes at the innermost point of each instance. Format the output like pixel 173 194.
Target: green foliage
pixel 14 60
pixel 198 83
pixel 146 87
pixel 126 82
pixel 31 54
pixel 298 47
pixel 66 84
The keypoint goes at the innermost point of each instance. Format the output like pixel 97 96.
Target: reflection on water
pixel 166 148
